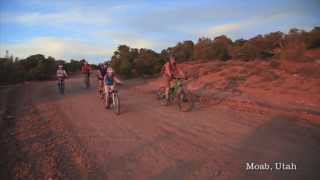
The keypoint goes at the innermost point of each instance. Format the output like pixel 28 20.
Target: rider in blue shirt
pixel 110 80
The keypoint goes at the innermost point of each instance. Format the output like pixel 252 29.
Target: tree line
pixel 34 67
pixel 133 62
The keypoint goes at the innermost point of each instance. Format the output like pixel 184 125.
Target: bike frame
pixel 111 93
pixel 176 88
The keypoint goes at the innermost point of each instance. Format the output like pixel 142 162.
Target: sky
pixel 92 30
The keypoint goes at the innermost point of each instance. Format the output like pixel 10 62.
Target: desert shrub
pixel 246 52
pixel 130 62
pixel 222 47
pixel 10 72
pixel 73 66
pixel 203 49
pixel 35 67
pixel 208 49
pixel 183 51
pixel 146 63
pixel 293 46
pixel 125 68
pixel 122 61
pixel 313 38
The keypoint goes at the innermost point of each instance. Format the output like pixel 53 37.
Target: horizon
pixel 93 31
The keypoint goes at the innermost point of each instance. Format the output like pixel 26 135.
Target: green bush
pixel 313 38
pixel 131 63
pixel 35 67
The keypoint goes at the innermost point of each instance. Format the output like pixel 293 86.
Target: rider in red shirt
pixel 86 70
pixel 170 71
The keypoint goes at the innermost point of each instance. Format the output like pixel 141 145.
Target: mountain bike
pixel 177 94
pixel 61 85
pixel 113 100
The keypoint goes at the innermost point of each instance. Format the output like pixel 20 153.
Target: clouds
pixel 132 39
pixel 168 17
pixel 58 48
pixel 70 29
pixel 61 18
pixel 265 24
pixel 224 28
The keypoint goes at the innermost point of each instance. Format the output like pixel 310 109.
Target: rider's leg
pixel 106 91
pixel 101 88
pixel 98 86
pixel 167 88
pixel 111 89
pixel 60 81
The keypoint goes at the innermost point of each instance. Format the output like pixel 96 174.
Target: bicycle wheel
pixel 107 100
pixel 185 101
pixel 161 96
pixel 116 104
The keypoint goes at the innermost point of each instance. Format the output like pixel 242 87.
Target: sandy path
pixel 149 141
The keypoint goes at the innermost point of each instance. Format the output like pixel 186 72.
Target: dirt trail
pixel 74 137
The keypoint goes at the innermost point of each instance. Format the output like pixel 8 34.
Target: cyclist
pixel 110 80
pixel 170 71
pixel 86 70
pixel 102 70
pixel 61 73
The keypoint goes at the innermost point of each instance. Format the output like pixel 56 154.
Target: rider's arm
pixel 180 72
pixel 65 73
pixel 117 80
pixel 167 71
pixel 104 78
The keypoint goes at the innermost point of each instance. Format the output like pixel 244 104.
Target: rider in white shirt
pixel 61 73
